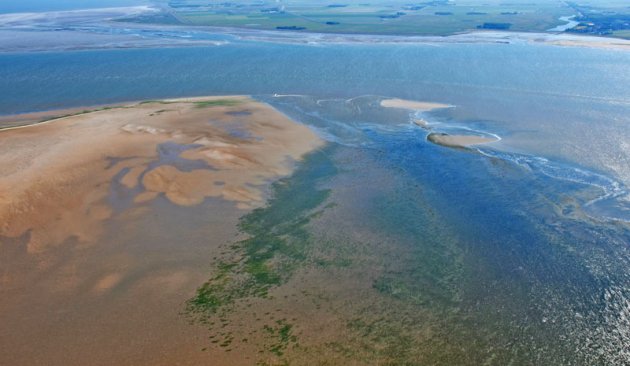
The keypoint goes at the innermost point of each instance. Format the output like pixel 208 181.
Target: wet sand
pixel 109 220
pixel 421 123
pixel 458 140
pixel 413 105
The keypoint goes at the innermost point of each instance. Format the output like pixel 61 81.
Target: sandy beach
pixel 412 105
pixel 101 214
pixel 459 140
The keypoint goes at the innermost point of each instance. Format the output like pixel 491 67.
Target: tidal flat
pixel 111 215
pixel 191 237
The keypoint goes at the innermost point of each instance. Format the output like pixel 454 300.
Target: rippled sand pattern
pixel 109 218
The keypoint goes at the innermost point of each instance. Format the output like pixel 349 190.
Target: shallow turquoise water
pixel 504 250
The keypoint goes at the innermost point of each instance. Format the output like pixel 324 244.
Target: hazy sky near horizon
pixel 20 6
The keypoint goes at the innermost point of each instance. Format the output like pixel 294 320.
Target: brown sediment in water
pixel 101 215
pixel 459 141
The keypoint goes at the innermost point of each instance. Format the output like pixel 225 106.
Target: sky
pixel 25 6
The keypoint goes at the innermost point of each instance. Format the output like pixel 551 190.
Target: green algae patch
pixel 217 103
pixel 387 298
pixel 281 334
pixel 156 101
pixel 199 104
pixel 277 243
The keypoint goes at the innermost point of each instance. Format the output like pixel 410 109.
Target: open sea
pixel 524 242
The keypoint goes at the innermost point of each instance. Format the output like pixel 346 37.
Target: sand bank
pixel 459 140
pixel 590 42
pixel 413 105
pixel 421 123
pixel 60 176
pixel 106 229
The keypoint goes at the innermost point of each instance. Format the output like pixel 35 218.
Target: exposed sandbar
pixel 413 105
pixel 57 176
pixel 105 225
pixel 421 123
pixel 459 141
pixel 25 119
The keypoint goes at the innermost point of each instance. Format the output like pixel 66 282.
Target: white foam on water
pixel 612 204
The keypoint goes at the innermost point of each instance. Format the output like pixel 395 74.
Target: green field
pixel 397 17
pixel 356 16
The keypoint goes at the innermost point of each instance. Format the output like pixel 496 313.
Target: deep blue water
pixel 538 75
pixel 540 99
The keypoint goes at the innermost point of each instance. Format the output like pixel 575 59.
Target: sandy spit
pixel 412 105
pixel 459 141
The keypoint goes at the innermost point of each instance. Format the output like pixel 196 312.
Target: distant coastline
pixel 90 29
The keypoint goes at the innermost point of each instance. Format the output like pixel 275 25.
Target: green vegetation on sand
pixel 395 17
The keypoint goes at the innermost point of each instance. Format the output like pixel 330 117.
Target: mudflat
pixel 110 217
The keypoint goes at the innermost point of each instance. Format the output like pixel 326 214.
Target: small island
pixel 459 141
